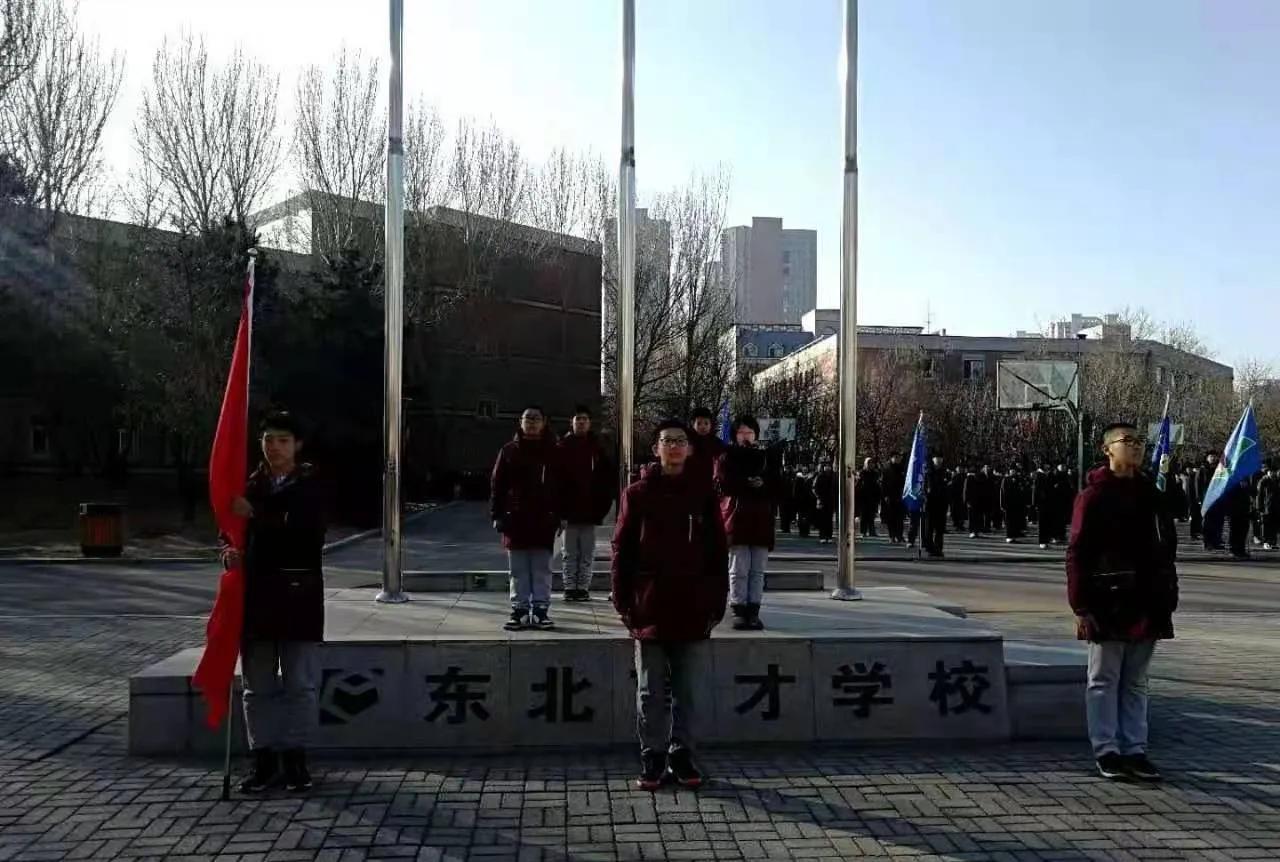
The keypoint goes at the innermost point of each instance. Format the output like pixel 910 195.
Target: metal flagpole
pixel 392 574
pixel 848 342
pixel 627 249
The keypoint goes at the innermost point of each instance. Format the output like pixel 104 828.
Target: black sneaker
pixel 1141 768
pixel 741 621
pixel 680 766
pixel 1113 767
pixel 653 770
pixel 570 595
pixel 519 620
pixel 542 619
pixel 266 772
pixel 584 596
pixel 296 777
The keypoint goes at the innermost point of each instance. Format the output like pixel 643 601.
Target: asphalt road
pixel 459 538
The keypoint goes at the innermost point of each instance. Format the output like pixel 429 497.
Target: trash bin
pixel 101 529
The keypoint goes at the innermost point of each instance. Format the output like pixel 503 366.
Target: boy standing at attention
pixel 670 558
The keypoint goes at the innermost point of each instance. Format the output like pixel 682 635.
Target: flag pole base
pixel 842 594
pixel 387 598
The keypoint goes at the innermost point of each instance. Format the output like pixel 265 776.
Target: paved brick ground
pixel 67 791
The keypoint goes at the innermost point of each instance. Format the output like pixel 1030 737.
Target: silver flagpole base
pixel 385 598
pixel 841 594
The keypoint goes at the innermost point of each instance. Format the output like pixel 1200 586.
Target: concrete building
pixel 754 347
pixel 772 271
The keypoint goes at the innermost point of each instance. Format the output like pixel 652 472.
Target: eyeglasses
pixel 673 441
pixel 1128 441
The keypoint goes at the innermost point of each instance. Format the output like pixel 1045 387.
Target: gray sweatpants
pixel 530 578
pixel 579 555
pixel 280 699
pixel 686 665
pixel 1116 696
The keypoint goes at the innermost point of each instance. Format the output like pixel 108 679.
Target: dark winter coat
pixel 1042 490
pixel 524 501
pixel 826 490
pixel 747 511
pixel 670 558
pixel 869 487
pixel 1269 495
pixel 895 479
pixel 705 450
pixel 977 490
pixel 937 491
pixel 1013 496
pixel 284 547
pixel 802 493
pixel 957 491
pixel 1118 528
pixel 587 480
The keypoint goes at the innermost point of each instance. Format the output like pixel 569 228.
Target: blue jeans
pixel 1116 696
pixel 280 699
pixel 686 666
pixel 746 574
pixel 530 578
pixel 579 555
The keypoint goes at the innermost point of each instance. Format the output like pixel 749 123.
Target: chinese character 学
pixel 768 685
pixel 861 687
pixel 453 690
pixel 558 691
pixel 965 683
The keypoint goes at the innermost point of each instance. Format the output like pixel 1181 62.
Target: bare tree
pixel 53 117
pixel 339 150
pixel 19 40
pixel 209 134
pixel 425 183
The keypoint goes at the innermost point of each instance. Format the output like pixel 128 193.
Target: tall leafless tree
pixel 339 151
pixel 52 118
pixel 19 40
pixel 209 133
pixel 425 182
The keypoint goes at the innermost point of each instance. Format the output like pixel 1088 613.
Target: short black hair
pixel 669 425
pixel 537 407
pixel 280 420
pixel 749 421
pixel 1117 425
pixel 701 413
pixel 582 410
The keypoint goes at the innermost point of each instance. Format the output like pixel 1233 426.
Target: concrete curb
pixel 192 560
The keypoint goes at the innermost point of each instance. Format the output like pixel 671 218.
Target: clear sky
pixel 1020 159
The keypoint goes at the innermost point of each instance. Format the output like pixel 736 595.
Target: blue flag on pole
pixel 725 423
pixel 1163 451
pixel 913 487
pixel 1241 458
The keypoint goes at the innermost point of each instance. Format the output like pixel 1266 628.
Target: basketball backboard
pixel 1037 384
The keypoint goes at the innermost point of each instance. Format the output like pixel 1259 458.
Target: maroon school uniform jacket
pixel 587 480
pixel 670 558
pixel 705 451
pixel 523 498
pixel 747 512
pixel 1118 526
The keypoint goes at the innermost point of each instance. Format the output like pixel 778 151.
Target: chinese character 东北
pixel 558 691
pixel 453 689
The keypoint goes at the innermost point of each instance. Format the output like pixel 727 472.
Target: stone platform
pixel 440 673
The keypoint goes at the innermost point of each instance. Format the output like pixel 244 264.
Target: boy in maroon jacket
pixel 587 489
pixel 524 505
pixel 705 448
pixel 1123 588
pixel 669 586
pixel 746 487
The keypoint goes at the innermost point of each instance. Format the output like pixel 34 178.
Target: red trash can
pixel 101 529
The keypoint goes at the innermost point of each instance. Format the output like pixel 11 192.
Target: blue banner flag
pixel 1241 458
pixel 725 423
pixel 913 487
pixel 1163 451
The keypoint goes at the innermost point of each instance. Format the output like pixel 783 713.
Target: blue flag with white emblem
pixel 1163 451
pixel 725 430
pixel 913 487
pixel 1241 458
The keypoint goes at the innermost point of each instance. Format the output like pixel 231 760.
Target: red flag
pixel 227 481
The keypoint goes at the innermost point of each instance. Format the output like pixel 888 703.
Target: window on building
pixel 974 368
pixel 487 409
pixel 39 439
pixel 926 367
pixel 124 442
pixel 786 258
pixel 750 350
pixel 777 351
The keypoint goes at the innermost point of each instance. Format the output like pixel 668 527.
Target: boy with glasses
pixel 1123 588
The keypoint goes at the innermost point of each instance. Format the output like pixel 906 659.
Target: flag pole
pixel 848 340
pixel 626 322
pixel 392 556
pixel 226 754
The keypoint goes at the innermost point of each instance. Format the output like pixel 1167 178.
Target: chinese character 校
pixel 453 689
pixel 861 687
pixel 965 682
pixel 770 686
pixel 558 691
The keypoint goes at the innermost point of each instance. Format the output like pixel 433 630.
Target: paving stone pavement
pixel 68 791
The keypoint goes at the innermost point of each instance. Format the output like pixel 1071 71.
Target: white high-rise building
pixel 773 272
